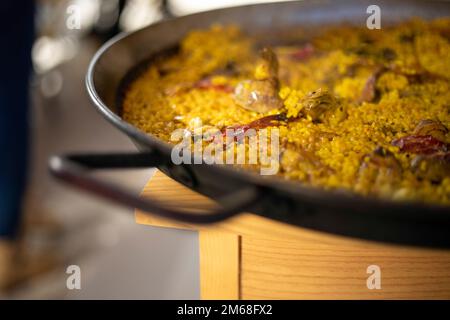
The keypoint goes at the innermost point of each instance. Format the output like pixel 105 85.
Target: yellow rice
pixel 346 134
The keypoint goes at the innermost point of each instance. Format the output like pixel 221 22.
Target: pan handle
pixel 74 170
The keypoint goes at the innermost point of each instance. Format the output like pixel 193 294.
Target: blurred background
pixel 60 227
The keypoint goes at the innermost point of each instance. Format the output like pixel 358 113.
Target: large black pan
pixel 294 203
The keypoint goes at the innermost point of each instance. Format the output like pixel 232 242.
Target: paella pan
pixel 310 198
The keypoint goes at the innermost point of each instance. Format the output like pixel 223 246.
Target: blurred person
pixel 16 34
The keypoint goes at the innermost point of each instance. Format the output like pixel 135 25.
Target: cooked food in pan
pixel 366 111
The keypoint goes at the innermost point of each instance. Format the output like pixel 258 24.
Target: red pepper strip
pixel 425 144
pixel 206 84
pixel 303 53
pixel 267 121
pixel 238 130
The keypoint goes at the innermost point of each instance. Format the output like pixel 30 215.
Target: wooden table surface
pixel 251 257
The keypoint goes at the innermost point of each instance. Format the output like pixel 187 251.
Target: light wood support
pixel 250 257
pixel 219 265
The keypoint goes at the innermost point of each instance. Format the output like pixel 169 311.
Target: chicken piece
pixel 261 93
pixel 379 173
pixel 369 91
pixel 432 128
pixel 267 67
pixel 434 167
pixel 295 158
pixel 317 102
pixel 258 95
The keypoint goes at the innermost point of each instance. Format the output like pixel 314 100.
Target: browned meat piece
pixel 379 173
pixel 369 92
pixel 261 94
pixel 434 167
pixel 432 128
pixel 258 95
pixel 315 103
pixel 294 158
pixel 267 67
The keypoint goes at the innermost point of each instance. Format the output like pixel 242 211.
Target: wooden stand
pixel 250 257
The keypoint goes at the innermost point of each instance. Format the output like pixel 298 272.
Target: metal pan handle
pixel 74 170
